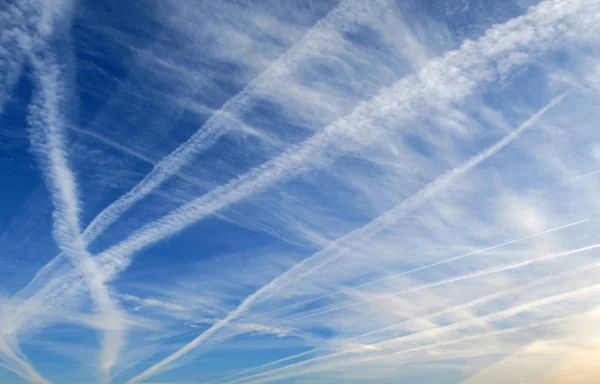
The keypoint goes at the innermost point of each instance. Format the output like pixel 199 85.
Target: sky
pixel 299 191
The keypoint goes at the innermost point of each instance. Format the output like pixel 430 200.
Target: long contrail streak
pixel 47 125
pixel 451 280
pixel 357 236
pixel 218 124
pixel 419 269
pixel 509 312
pixel 469 304
pixel 449 78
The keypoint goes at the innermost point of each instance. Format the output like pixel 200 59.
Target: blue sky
pixel 299 191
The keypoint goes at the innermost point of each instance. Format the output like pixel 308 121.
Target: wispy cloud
pixel 350 348
pixel 295 193
pixel 331 25
pixel 18 364
pixel 447 85
pixel 394 342
pixel 48 141
pixel 218 124
pixel 352 240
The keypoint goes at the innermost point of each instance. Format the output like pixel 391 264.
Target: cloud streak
pixel 393 342
pixel 353 239
pixel 48 141
pixel 422 218
pixel 218 124
pixel 456 308
pixel 453 84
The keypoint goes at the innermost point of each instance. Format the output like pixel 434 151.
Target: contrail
pixel 309 154
pixel 48 142
pixel 466 276
pixel 448 79
pixel 359 236
pixel 354 125
pixel 114 144
pixel 578 293
pixel 356 237
pixel 415 201
pixel 21 22
pixel 334 23
pixel 570 295
pixel 47 138
pixel 218 124
pixel 28 372
pixel 330 26
pixel 424 347
pixel 140 156
pixel 422 268
pixel 368 231
pixel 469 304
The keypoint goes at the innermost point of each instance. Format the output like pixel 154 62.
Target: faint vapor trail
pixel 47 127
pixel 449 78
pixel 466 276
pixel 566 296
pixel 422 268
pixel 339 247
pixel 217 125
pixel 28 373
pixel 469 304
pixel 356 237
pixel 324 30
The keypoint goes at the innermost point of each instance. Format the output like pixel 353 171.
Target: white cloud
pixel 361 207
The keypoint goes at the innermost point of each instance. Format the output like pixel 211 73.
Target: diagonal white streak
pixel 217 125
pixel 422 348
pixel 47 126
pixel 469 304
pixel 422 268
pixel 451 280
pixel 21 22
pixel 566 296
pixel 23 367
pixel 453 82
pixel 450 78
pixel 333 24
pixel 359 236
pixel 366 232
pixel 338 20
pixel 48 141
pixel 355 238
